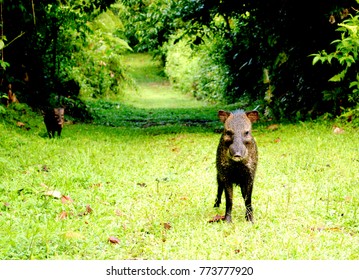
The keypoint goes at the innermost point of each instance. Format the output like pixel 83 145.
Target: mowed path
pixel 153 88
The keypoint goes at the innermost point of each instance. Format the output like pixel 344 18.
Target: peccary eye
pixel 228 136
pixel 229 133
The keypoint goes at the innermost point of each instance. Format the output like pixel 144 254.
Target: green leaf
pixel 353 84
pixel 316 59
pixel 338 77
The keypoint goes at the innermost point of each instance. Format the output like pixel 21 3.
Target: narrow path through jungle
pixel 153 101
pixel 153 88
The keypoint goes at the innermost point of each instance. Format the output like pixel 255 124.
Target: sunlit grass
pixel 137 180
pixel 153 89
pixel 146 176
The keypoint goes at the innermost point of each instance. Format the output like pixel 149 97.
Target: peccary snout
pixel 236 159
pixel 54 121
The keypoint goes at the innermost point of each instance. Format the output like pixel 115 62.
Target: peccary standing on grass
pixel 54 121
pixel 237 159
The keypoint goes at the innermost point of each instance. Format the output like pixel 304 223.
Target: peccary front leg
pixel 59 132
pixel 247 196
pixel 228 191
pixel 219 193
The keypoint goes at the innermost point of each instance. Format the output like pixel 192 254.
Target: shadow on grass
pixel 158 120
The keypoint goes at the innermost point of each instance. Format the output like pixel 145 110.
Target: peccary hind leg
pixel 219 193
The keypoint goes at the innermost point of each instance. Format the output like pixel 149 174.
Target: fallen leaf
pixel 237 251
pixel 113 240
pixel 273 127
pixel 88 209
pixel 183 198
pixel 216 219
pixel 337 130
pixel 20 124
pixel 143 185
pixel 53 193
pixel 63 215
pixel 277 140
pixel 167 226
pixel 66 199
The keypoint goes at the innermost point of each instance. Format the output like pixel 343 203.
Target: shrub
pixel 197 69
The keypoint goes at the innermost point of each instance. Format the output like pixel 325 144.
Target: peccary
pixel 237 159
pixel 54 121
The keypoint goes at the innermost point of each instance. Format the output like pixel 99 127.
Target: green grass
pixel 153 89
pixel 153 188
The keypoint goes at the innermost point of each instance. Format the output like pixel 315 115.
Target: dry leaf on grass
pixel 87 211
pixel 167 226
pixel 337 130
pixel 20 124
pixel 63 215
pixel 216 219
pixel 66 199
pixel 114 240
pixel 53 193
pixel 273 127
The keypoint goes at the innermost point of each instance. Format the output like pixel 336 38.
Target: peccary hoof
pixel 228 219
pixel 249 217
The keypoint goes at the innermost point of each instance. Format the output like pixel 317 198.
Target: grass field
pixel 139 183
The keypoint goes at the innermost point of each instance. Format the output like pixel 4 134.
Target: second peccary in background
pixel 237 159
pixel 54 121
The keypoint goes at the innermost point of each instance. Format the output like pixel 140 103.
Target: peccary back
pixel 237 159
pixel 54 121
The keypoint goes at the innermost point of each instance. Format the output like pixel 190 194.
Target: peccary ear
pixel 253 116
pixel 223 115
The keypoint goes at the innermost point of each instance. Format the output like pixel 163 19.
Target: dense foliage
pixel 261 47
pixel 345 54
pixel 49 51
pixel 258 52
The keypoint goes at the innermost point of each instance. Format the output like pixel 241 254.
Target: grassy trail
pixel 154 90
pixel 153 102
pixel 140 183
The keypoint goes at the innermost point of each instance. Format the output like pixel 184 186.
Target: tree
pixel 42 57
pixel 346 55
pixel 265 45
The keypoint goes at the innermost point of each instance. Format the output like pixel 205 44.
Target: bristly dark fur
pixel 54 121
pixel 237 159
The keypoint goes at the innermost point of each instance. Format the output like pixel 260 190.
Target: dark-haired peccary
pixel 54 121
pixel 237 159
